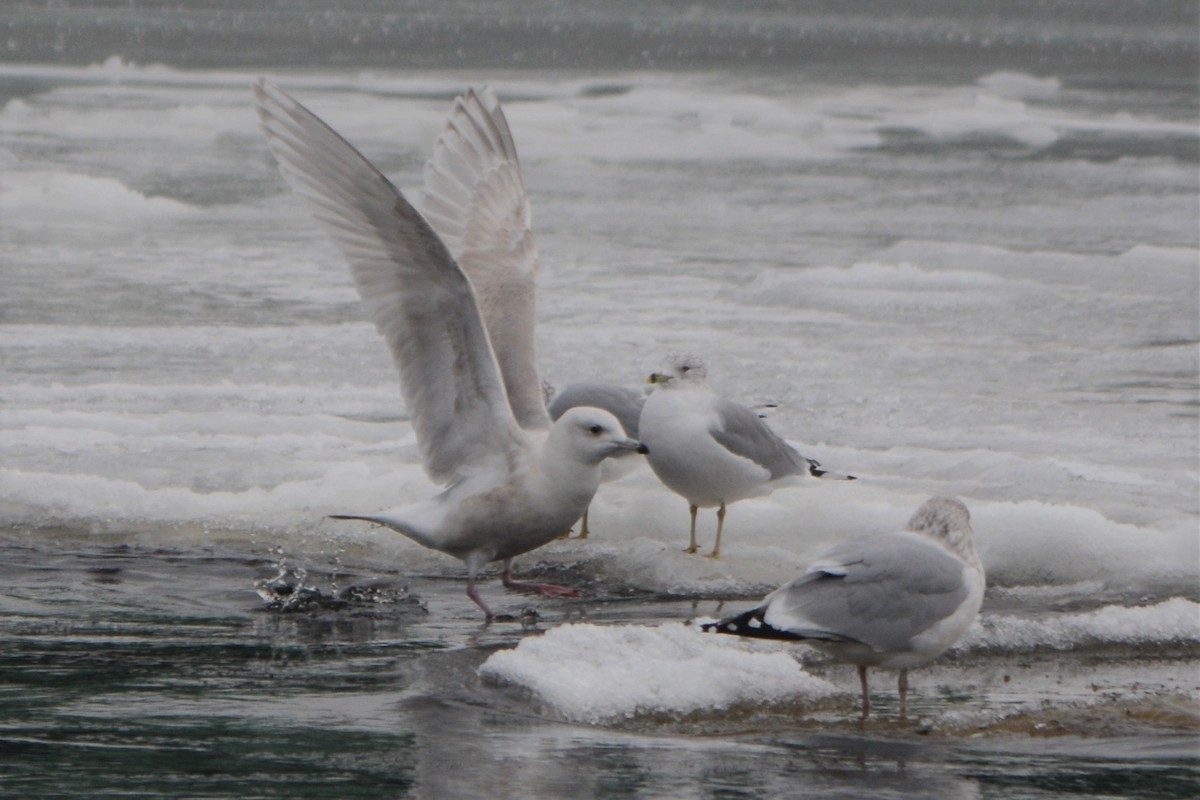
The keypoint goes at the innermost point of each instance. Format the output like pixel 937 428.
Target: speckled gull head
pixel 946 519
pixel 680 369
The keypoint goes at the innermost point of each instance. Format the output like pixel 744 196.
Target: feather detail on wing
pixel 475 198
pixel 742 432
pixel 881 591
pixel 420 301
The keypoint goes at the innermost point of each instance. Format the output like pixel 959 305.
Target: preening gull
pixel 710 450
pixel 895 600
pixel 623 402
pixel 515 481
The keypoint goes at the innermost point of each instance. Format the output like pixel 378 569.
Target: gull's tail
pixel 398 525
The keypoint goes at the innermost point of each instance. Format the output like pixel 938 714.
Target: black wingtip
pixel 748 623
pixel 816 472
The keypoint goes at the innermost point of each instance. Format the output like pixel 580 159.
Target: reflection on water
pixel 127 670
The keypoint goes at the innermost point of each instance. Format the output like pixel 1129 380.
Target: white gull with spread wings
pixel 515 481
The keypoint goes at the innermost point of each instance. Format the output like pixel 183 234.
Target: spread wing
pixel 475 199
pixel 419 299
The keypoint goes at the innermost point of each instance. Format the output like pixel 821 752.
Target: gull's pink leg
pixel 903 694
pixel 473 593
pixel 544 589
pixel 866 697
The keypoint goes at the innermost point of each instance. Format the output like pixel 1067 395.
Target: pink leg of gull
pixel 544 589
pixel 473 593
pixel 866 697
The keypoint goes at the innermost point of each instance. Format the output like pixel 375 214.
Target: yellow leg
pixel 583 533
pixel 716 553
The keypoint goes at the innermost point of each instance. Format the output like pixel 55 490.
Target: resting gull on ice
pixel 623 402
pixel 710 450
pixel 515 480
pixel 894 600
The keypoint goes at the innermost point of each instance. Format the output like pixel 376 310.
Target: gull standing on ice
pixel 710 450
pixel 894 600
pixel 623 402
pixel 515 480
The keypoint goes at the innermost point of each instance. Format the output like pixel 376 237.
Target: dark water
pixel 130 670
pixel 868 39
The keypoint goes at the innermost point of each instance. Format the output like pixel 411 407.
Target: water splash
pixel 291 590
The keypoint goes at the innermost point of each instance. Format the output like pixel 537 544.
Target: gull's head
pixel 947 520
pixel 592 435
pixel 680 369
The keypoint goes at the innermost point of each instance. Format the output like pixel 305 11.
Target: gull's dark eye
pixel 595 430
pixel 684 368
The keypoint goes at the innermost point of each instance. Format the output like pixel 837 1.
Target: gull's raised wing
pixel 419 299
pixel 475 199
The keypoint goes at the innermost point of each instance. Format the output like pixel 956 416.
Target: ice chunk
pixel 595 674
pixel 1174 621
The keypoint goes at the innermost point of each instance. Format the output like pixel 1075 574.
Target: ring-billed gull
pixel 515 481
pixel 894 600
pixel 623 402
pixel 710 450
